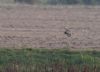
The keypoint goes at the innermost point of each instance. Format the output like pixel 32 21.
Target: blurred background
pixel 52 2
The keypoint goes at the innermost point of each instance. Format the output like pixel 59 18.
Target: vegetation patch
pixel 48 60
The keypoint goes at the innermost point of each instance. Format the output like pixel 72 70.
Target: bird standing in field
pixel 67 32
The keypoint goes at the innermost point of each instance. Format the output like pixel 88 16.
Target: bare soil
pixel 24 26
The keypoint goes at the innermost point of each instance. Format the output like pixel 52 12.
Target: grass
pixel 48 60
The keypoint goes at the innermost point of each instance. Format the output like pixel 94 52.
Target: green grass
pixel 47 60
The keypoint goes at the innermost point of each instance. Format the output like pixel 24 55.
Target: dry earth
pixel 43 27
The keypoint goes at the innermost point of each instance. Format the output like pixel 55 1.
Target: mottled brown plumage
pixel 67 32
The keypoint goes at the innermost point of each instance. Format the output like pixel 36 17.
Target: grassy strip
pixel 48 60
